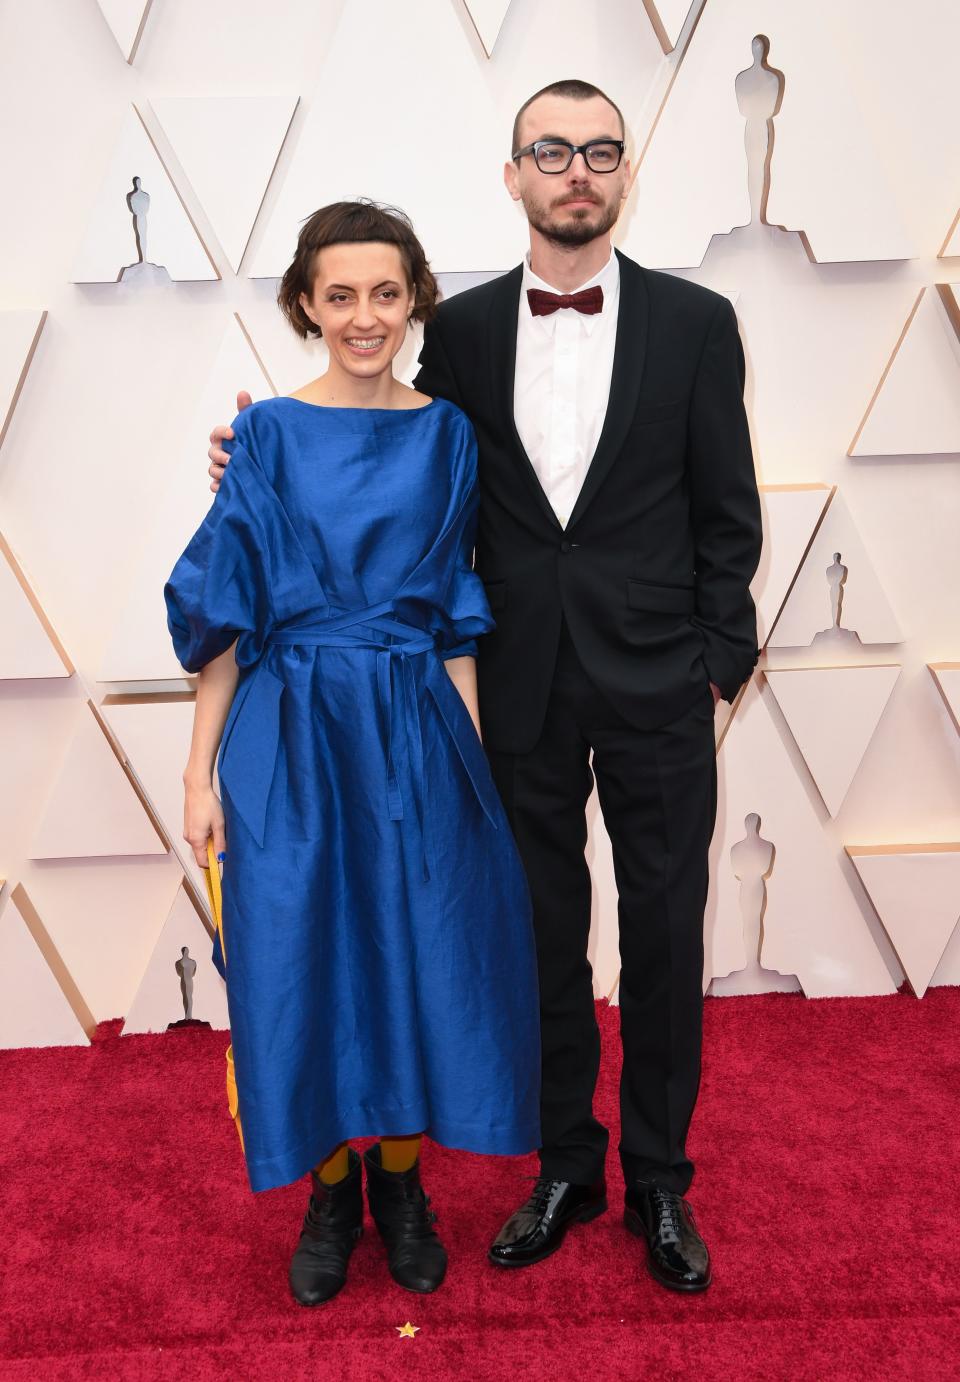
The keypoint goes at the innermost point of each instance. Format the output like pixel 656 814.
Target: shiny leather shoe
pixel 401 1211
pixel 538 1227
pixel 331 1230
pixel 677 1256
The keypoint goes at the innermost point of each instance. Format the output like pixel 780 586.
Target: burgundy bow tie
pixel 589 301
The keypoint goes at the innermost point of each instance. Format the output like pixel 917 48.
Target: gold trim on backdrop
pixel 150 698
pixel 120 755
pixel 889 366
pixel 940 847
pixel 27 362
pixel 256 354
pixel 934 668
pixel 778 489
pixel 681 54
pixel 941 252
pixel 179 195
pixel 52 956
pixel 6 551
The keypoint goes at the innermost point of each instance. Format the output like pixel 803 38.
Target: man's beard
pixel 580 230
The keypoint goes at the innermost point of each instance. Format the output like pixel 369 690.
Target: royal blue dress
pixel 380 964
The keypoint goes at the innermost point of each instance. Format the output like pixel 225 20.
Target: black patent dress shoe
pixel 401 1211
pixel 538 1227
pixel 677 1256
pixel 331 1230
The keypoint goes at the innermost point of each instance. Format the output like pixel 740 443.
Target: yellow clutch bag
pixel 212 876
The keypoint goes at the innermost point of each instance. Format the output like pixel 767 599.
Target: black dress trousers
pixel 657 792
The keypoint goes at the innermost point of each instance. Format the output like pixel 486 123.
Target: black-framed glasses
pixel 556 155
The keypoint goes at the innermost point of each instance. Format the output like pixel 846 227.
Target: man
pixel 619 532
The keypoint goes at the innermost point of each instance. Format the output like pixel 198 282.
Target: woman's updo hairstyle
pixel 354 222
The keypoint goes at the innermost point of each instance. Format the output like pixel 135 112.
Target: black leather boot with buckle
pixel 331 1229
pixel 415 1255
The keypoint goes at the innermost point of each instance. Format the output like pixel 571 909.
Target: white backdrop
pixel 240 117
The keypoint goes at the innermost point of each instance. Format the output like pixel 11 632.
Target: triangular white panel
pixel 126 19
pixel 916 892
pixel 668 18
pixel 228 147
pixel 345 150
pixel 103 922
pixel 140 648
pixel 33 1007
pixel 951 246
pixel 947 677
pixel 692 181
pixel 947 971
pixel 488 17
pixel 92 809
pixel 19 335
pixel 790 515
pixel 171 241
pixel 28 645
pixel 833 713
pixel 916 408
pixel 823 131
pixel 159 999
pixel 813 926
pixel 811 608
pixel 154 737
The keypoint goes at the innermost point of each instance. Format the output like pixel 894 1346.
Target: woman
pixel 381 972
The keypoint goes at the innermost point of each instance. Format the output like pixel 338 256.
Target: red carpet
pixel 827 1139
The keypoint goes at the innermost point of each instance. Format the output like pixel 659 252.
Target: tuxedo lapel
pixel 629 357
pixel 503 350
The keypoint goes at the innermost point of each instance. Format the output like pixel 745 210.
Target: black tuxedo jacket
pixel 652 571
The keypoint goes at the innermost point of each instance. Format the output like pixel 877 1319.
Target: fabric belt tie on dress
pixel 392 659
pixel 251 736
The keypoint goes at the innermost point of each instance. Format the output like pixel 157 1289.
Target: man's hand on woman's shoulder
pixel 218 457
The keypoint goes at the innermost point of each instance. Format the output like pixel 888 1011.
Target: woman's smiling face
pixel 361 301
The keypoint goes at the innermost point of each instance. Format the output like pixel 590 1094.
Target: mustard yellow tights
pixel 396 1154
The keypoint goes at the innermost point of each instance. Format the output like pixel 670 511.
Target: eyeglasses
pixel 556 155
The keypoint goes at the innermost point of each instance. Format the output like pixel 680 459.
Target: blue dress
pixel 381 974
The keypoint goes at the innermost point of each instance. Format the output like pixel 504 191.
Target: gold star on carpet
pixel 408 1330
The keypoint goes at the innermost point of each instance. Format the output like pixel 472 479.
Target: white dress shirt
pixel 562 384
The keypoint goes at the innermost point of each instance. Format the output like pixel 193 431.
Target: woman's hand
pixel 462 671
pixel 202 812
pixel 203 817
pixel 220 458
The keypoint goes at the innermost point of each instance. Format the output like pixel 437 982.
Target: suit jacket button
pixel 566 547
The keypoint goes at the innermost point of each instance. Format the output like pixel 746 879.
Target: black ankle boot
pixel 415 1255
pixel 333 1224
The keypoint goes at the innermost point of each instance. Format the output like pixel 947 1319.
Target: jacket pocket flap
pixel 496 592
pixel 661 599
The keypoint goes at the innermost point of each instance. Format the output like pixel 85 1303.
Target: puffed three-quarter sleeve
pixel 466 611
pixel 220 589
